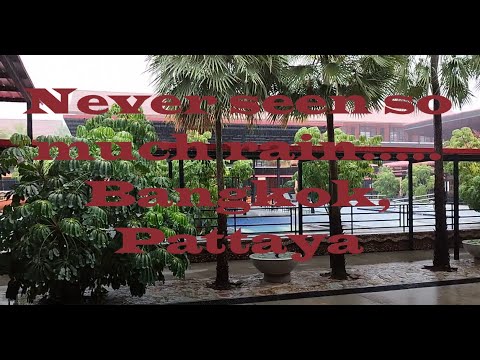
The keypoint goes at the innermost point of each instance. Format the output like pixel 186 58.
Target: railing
pixel 427 198
pixel 355 220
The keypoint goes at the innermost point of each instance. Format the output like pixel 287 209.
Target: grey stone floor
pixel 466 294
pixel 454 294
pixel 204 270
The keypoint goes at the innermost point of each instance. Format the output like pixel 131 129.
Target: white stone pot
pixel 473 247
pixel 275 270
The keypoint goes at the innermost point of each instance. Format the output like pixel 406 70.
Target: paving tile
pixel 378 269
pixel 465 294
pixel 372 275
pixel 351 299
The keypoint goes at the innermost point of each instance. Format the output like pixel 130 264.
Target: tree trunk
pixel 222 278
pixel 337 262
pixel 441 257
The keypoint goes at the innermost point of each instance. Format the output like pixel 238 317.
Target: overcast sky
pixel 123 73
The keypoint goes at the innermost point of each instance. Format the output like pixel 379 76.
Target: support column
pixel 278 173
pixel 181 174
pixel 300 187
pixel 410 203
pixel 29 122
pixel 170 169
pixel 253 185
pixel 456 211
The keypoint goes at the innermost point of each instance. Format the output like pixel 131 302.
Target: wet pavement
pixel 465 294
pixel 371 270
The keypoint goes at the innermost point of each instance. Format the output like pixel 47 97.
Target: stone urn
pixel 473 247
pixel 275 268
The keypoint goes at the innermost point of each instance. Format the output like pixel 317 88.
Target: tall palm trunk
pixel 441 257
pixel 222 278
pixel 337 262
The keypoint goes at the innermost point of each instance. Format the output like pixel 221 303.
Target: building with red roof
pixel 414 129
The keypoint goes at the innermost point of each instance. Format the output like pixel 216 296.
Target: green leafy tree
pixel 446 75
pixel 221 76
pixel 202 174
pixel 368 76
pixel 469 171
pixel 315 173
pixel 387 183
pixel 423 180
pixel 56 245
pixel 199 174
pixel 240 171
pixel 470 194
pixel 463 138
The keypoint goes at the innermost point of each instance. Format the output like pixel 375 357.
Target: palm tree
pixel 370 76
pixel 221 76
pixel 446 75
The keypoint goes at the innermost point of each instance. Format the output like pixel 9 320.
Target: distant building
pixel 40 127
pixel 400 168
pixel 397 130
pixel 412 130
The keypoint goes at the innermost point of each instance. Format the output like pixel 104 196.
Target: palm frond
pixel 455 72
pixel 221 76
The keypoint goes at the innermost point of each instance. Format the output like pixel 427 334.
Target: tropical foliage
pixel 240 171
pixel 423 180
pixel 469 171
pixel 56 245
pixel 387 183
pixel 199 174
pixel 446 75
pixel 220 76
pixel 315 173
pixel 369 76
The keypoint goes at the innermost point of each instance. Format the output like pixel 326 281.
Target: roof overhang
pixel 450 122
pixel 14 80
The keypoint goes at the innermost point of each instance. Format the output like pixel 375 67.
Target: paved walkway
pixel 245 267
pixel 401 267
pixel 466 294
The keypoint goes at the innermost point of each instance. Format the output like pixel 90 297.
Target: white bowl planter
pixel 274 269
pixel 473 247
